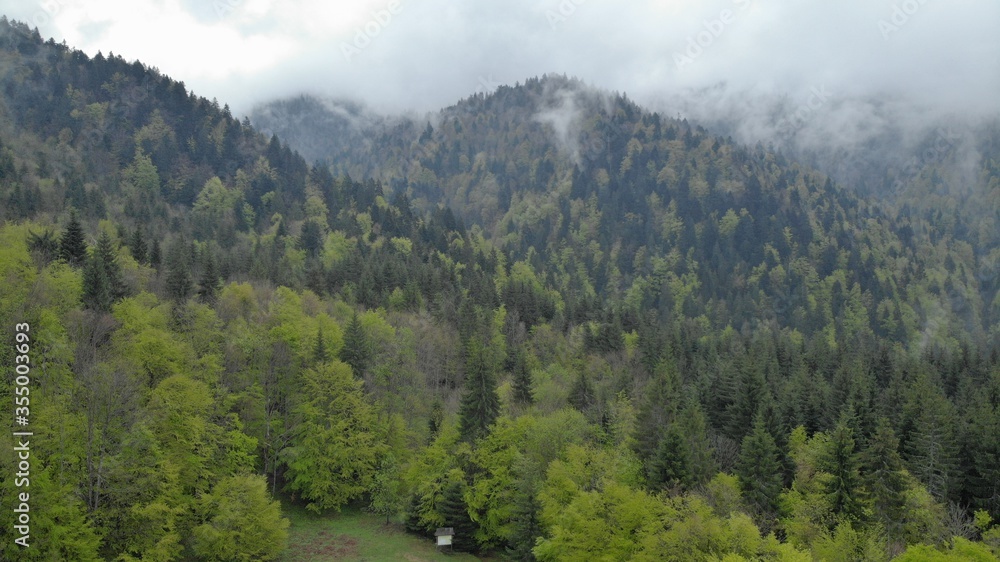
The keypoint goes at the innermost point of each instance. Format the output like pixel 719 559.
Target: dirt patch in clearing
pixel 326 546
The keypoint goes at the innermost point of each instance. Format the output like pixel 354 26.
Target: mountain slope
pixel 608 201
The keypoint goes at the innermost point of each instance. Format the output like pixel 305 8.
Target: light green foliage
pixel 492 495
pixel 333 455
pixel 962 550
pixel 846 544
pixel 242 523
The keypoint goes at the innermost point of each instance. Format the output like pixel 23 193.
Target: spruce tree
pixel 155 258
pixel 319 350
pixel 657 409
pixel 138 246
pixel 455 513
pixel 178 274
pixel 759 471
pixel 668 469
pixel 884 478
pixel 107 254
pixel 72 246
pixel 844 490
pixel 480 404
pixel 209 284
pixel 521 376
pixel 356 350
pixel 96 288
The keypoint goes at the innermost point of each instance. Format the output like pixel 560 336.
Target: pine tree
pixel 884 478
pixel 107 254
pixel 931 449
pixel 844 489
pixel 356 350
pixel 522 379
pixel 96 288
pixel 319 350
pixel 668 469
pixel 581 394
pixel 178 274
pixel 700 461
pixel 527 527
pixel 138 246
pixel 456 515
pixel 72 246
pixel 155 258
pixel 209 284
pixel 480 402
pixel 658 408
pixel 759 471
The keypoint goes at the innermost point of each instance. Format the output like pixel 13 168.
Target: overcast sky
pixel 425 54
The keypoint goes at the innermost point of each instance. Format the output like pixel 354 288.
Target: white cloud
pixel 433 52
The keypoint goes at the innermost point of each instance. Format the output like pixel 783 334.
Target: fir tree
pixel 527 526
pixel 455 513
pixel 96 288
pixel 107 255
pixel 522 379
pixel 759 471
pixel 209 284
pixel 581 394
pixel 319 350
pixel 178 274
pixel 356 350
pixel 138 246
pixel 155 258
pixel 658 408
pixel 884 478
pixel 844 489
pixel 668 469
pixel 72 246
pixel 480 402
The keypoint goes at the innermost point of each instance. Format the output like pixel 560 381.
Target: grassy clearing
pixel 355 535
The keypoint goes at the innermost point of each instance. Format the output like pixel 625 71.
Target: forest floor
pixel 355 535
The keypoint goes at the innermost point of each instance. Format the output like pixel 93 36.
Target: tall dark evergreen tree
pixel 480 404
pixel 210 283
pixel 455 513
pixel 884 478
pixel 96 288
pixel 668 469
pixel 155 257
pixel 658 408
pixel 844 490
pixel 178 281
pixel 137 244
pixel 356 350
pixel 319 350
pixel 759 471
pixel 72 245
pixel 521 376
pixel 107 255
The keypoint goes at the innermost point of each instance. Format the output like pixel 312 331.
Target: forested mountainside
pixel 612 203
pixel 615 338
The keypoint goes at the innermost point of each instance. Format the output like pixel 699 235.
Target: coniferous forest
pixel 632 339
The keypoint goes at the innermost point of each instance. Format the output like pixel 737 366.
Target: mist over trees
pixel 563 325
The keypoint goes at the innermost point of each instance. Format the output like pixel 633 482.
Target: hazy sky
pixel 424 54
